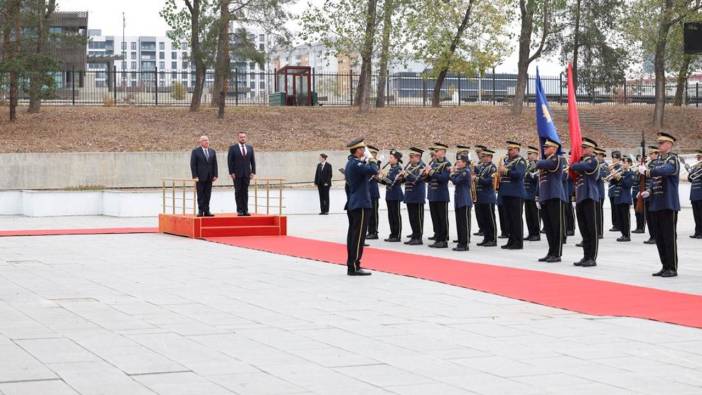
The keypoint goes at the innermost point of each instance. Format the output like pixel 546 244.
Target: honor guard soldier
pixel 462 202
pixel 485 190
pixel 476 169
pixel 665 203
pixel 604 171
pixel 652 160
pixel 614 168
pixel 415 193
pixel 531 195
pixel 586 196
pixel 360 167
pixel 375 199
pixel 512 191
pixel 437 175
pixel 394 195
pixel 568 213
pixel 551 198
pixel 694 175
pixel 622 200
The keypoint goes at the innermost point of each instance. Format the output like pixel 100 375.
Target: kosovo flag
pixel 544 123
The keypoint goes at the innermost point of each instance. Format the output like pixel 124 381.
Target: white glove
pixel 642 169
pixel 644 194
pixel 538 205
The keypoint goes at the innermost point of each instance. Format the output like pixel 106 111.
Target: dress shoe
pixel 200 214
pixel 553 259
pixel 534 238
pixel 366 245
pixel 695 236
pixel 409 236
pixel 209 214
pixel 359 272
pixel 613 229
pixel 637 231
pixel 579 244
pixel 414 242
pixel 460 248
pixel 321 213
pixel 570 233
pixel 454 241
pixel 372 236
pixel 624 238
pixel 393 240
pixel 669 273
pixel 544 259
pixel 246 214
pixel 658 273
pixel 503 237
pixel 439 244
pixel 478 234
pixel 432 238
pixel 650 241
pixel 589 263
pixel 579 263
pixel 506 246
pixel 488 244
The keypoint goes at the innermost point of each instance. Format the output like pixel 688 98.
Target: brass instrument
pixel 614 173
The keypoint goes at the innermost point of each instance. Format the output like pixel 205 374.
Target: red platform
pixel 222 225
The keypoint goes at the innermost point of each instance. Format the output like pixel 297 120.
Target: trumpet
pixel 692 166
pixel 614 174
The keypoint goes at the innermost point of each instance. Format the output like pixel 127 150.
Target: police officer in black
pixel 551 197
pixel 531 196
pixel 360 167
pixel 512 174
pixel 485 190
pixel 460 177
pixel 665 203
pixel 437 176
pixel 415 194
pixel 394 195
pixel 586 196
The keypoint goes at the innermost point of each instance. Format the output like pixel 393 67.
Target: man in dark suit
pixel 323 179
pixel 203 166
pixel 242 168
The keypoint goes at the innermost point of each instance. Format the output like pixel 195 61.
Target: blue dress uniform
pixel 462 203
pixel 568 212
pixel 438 197
pixel 612 193
pixel 531 192
pixel 486 197
pixel 358 174
pixel 415 195
pixel 586 196
pixel 647 201
pixel 375 202
pixel 512 192
pixel 604 171
pixel 695 178
pixel 393 198
pixel 622 203
pixel 551 197
pixel 664 206
pixel 476 170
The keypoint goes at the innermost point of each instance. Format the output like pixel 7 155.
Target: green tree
pixel 463 36
pixel 39 62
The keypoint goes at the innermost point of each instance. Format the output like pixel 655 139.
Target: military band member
pixel 360 167
pixel 652 159
pixel 432 157
pixel 665 204
pixel 531 195
pixel 512 192
pixel 551 198
pixel 694 175
pixel 568 212
pixel 604 171
pixel 586 196
pixel 640 216
pixel 464 150
pixel 622 200
pixel 437 175
pixel 373 220
pixel 476 169
pixel 415 194
pixel 614 168
pixel 485 191
pixel 461 177
pixel 394 195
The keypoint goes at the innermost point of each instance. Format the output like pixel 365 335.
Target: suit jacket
pixel 323 175
pixel 239 165
pixel 201 167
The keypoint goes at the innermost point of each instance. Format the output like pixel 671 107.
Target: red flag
pixel 576 139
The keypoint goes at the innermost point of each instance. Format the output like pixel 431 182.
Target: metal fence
pixel 165 88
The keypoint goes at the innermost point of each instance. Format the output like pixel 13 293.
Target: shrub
pixel 178 91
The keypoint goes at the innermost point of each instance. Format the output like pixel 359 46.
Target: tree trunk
pixel 38 77
pixel 222 62
pixel 436 96
pixel 527 17
pixel 388 9
pixel 11 46
pixel 659 63
pixel 682 81
pixel 576 45
pixel 364 83
pixel 196 56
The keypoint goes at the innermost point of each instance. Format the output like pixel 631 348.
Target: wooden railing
pixel 179 196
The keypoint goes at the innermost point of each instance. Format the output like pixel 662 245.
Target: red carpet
pixel 578 294
pixel 86 231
